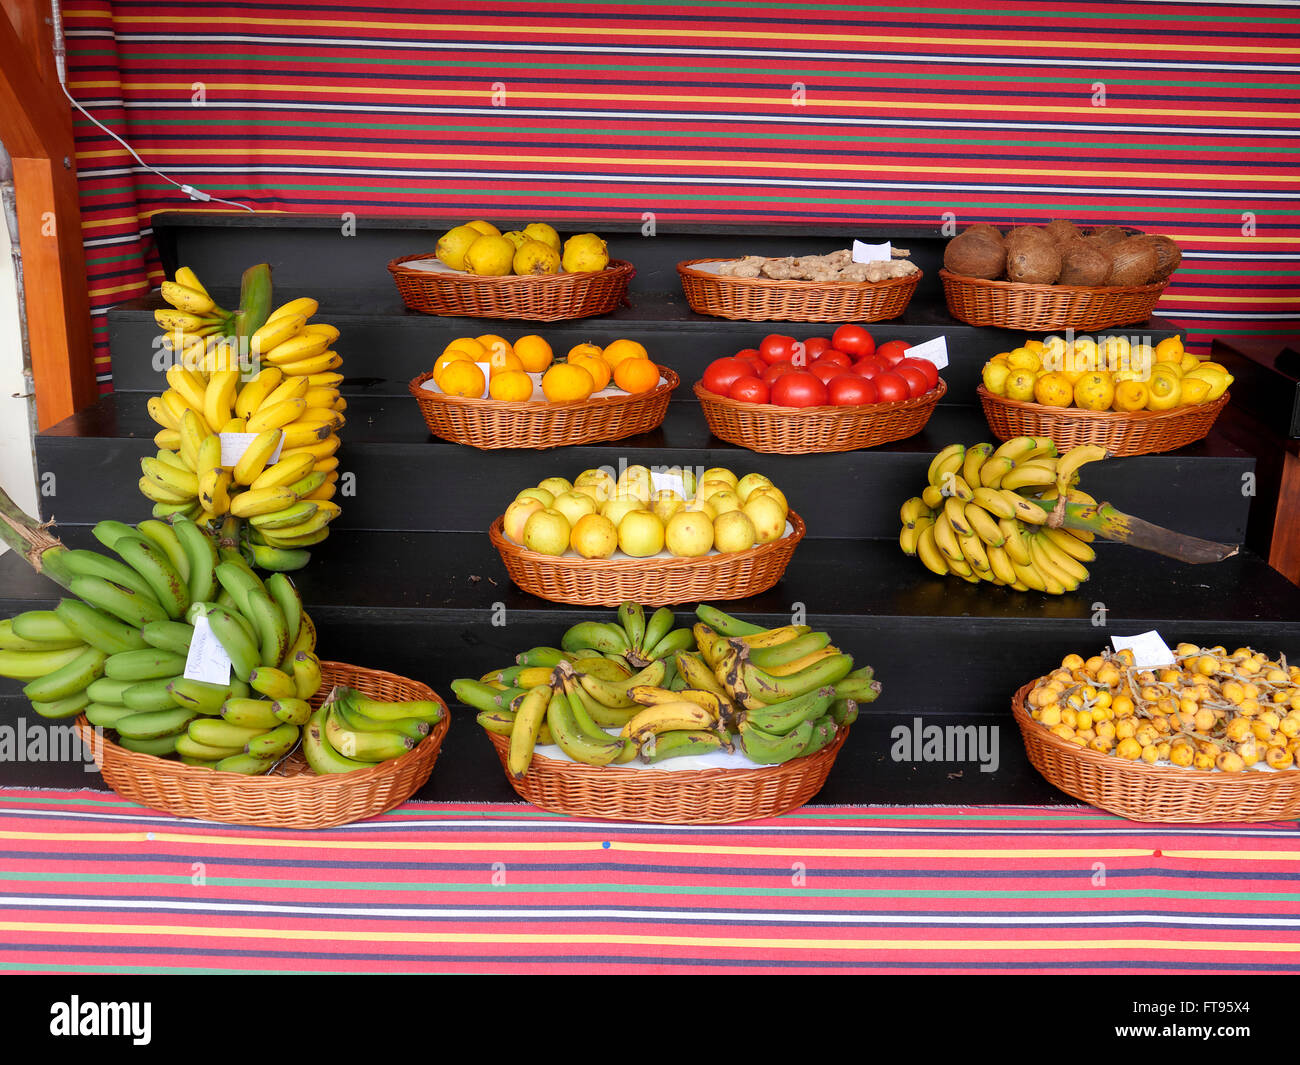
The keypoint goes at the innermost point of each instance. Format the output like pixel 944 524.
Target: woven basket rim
pixel 685 269
pixel 669 381
pixel 1110 416
pixel 775 410
pixel 503 544
pixel 1027 289
pixel 139 762
pixel 1171 774
pixel 396 267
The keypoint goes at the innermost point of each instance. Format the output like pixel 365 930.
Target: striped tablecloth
pixel 92 884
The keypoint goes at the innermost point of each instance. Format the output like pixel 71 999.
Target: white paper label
pixel 233 446
pixel 486 367
pixel 668 481
pixel 935 351
pixel 1149 650
pixel 871 253
pixel 207 660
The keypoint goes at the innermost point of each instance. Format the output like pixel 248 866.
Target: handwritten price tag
pixel 233 446
pixel 935 351
pixel 207 660
pixel 871 253
pixel 1149 650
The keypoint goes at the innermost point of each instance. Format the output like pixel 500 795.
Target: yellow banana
pixel 304 306
pixel 301 434
pixel 275 332
pixel 928 552
pixel 219 398
pixel 264 501
pixel 296 348
pixel 276 416
pixel 255 391
pixel 284 472
pixel 1070 544
pixel 255 458
pixel 1014 543
pixel 983 525
pixel 325 361
pixel 184 298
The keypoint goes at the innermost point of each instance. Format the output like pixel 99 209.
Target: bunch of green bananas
pixel 986 515
pixel 351 730
pixel 116 649
pixel 289 402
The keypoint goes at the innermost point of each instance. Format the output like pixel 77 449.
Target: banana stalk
pixel 254 300
pixel 1106 521
pixel 30 538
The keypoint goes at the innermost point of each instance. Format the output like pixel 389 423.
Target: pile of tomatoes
pixel 846 369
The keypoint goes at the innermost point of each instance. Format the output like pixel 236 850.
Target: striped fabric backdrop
pixel 1175 117
pixel 92 884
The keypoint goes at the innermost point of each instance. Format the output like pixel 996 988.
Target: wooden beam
pixel 1284 549
pixel 36 129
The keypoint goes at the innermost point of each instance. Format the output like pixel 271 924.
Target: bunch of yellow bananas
pixel 283 392
pixel 985 514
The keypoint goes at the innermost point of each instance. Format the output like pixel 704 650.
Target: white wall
pixel 17 471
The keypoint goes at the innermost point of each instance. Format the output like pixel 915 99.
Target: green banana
pixel 479 696
pixel 572 741
pixel 134 607
pixel 217 732
pixel 163 536
pixel 289 600
pixel 44 630
pixel 596 636
pixel 272 627
pixel 767 749
pixel 79 562
pixel 201 551
pixel 188 747
pixel 245 655
pixel 58 709
pixel 365 746
pixel 273 682
pixel 250 713
pixel 725 624
pixel 275 743
pixel 250 765
pixel 149 664
pixel 761 688
pixel 780 719
pixel 543 656
pixel 174 636
pixel 107 531
pixel 844 711
pixel 99 629
pixel 292 711
pixel 790 651
pixel 106 715
pixel 154 724
pixel 676 640
pixel 614 694
pixel 69 679
pixel 279 559
pixel 159 747
pixel 168 586
pixel 107 690
pixel 657 626
pixel 414 727
pixel 316 749
pixel 238 579
pixel 150 695
pixel 198 695
pixel 394 710
pixel 632 617
pixel 683 743
pixel 525 727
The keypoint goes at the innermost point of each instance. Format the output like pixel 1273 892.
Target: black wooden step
pixel 403 478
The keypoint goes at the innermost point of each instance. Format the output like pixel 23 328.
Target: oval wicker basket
pixel 762 299
pixel 533 297
pixel 671 797
pixel 1043 308
pixel 775 430
pixel 290 797
pixel 491 424
pixel 1156 793
pixel 1139 432
pixel 652 581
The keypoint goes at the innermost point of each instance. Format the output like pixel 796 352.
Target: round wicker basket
pixel 652 581
pixel 761 299
pixel 491 424
pixel 1043 308
pixel 533 297
pixel 292 796
pixel 671 797
pixel 1140 432
pixel 775 430
pixel 1155 793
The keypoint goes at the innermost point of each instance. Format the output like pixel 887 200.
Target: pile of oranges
pixel 512 369
pixel 1211 709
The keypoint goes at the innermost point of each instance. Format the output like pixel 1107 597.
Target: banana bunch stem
pixel 31 539
pixel 1104 520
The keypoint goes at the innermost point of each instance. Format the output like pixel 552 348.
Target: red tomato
pixel 815 346
pixel 778 369
pixel 892 351
pixel 868 367
pixel 824 371
pixel 853 340
pixel 928 368
pixel 747 353
pixel 890 387
pixel 917 383
pixel 800 389
pixel 835 357
pixel 850 390
pixel 750 390
pixel 721 374
pixel 756 365
pixel 776 347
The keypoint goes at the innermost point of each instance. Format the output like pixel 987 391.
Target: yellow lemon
pixel 1170 350
pixel 1130 395
pixel 453 245
pixel 1053 390
pixel 995 377
pixel 1195 390
pixel 486 229
pixel 1094 391
pixel 1165 387
pixel 543 233
pixel 1023 358
pixel 490 256
pixel 1020 385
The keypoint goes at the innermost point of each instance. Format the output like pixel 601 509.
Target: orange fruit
pixel 1170 350
pixel 449 356
pixel 586 350
pixel 513 386
pixel 534 352
pixel 493 343
pixel 597 367
pixel 624 349
pixel 564 382
pixel 502 361
pixel 468 345
pixel 462 378
pixel 636 375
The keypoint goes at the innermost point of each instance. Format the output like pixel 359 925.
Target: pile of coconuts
pixel 1062 253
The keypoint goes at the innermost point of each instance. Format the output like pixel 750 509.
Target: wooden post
pixel 36 129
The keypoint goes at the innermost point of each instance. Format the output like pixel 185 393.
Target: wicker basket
pixel 652 581
pixel 292 796
pixel 1155 793
pixel 776 430
pixel 761 299
pixel 676 797
pixel 1043 308
pixel 492 424
pixel 1139 432
pixel 533 298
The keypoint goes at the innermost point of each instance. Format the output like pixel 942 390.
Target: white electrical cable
pixel 61 65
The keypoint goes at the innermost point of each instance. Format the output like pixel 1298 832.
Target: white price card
pixel 1149 650
pixel 872 253
pixel 668 481
pixel 207 660
pixel 233 446
pixel 486 367
pixel 935 351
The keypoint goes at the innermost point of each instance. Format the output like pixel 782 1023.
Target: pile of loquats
pixel 1209 710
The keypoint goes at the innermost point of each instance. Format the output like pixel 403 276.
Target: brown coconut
pixel 1107 236
pixel 974 255
pixel 984 229
pixel 1025 234
pixel 1168 255
pixel 1083 263
pixel 1133 261
pixel 1062 230
pixel 1033 262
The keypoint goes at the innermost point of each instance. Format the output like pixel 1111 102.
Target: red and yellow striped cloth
pixel 1171 117
pixel 90 883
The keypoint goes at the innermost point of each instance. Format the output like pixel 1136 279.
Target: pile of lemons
pixel 1105 373
pixel 481 249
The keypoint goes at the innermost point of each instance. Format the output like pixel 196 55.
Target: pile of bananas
pixel 722 685
pixel 283 391
pixel 986 515
pixel 352 730
pixel 116 650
